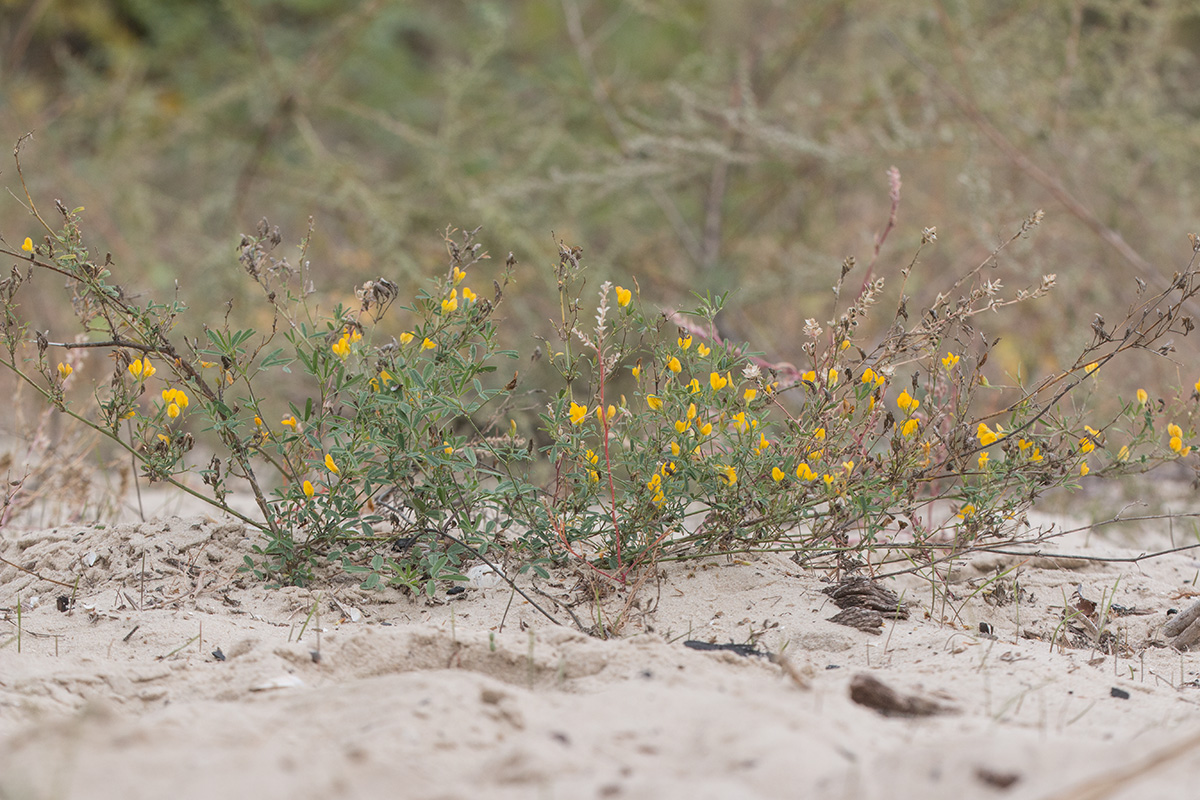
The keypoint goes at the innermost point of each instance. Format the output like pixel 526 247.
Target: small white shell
pixel 285 681
pixel 483 577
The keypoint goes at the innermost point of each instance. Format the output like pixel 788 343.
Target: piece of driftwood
pixel 1183 629
pixel 865 593
pixel 863 619
pixel 869 691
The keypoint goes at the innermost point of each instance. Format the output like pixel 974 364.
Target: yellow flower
pixel 355 334
pixel 577 413
pixel 309 491
pixel 289 421
pixel 1197 386
pixel 833 375
pixel 685 343
pixel 966 511
pixel 1123 453
pixel 1176 434
pixel 468 295
pixel 173 411
pixel 716 381
pixel 623 297
pixel 681 426
pixel 909 428
pixel 385 376
pixel 848 466
pixel 845 343
pixel 1086 445
pixel 805 473
pixel 654 402
pixel 868 375
pixel 674 365
pixel 777 474
pixel 457 276
pixel 428 344
pixel 828 479
pixel 1083 469
pixel 749 395
pixel 691 412
pixel 1092 367
pixel 342 347
pixel 1037 455
pixel 448 450
pixel 207 364
pixel 611 413
pixel 694 386
pixel 636 370
pixel 1143 397
pixel 406 337
pixel 593 476
pixel 706 429
pixel 130 414
pixel 451 302
pixel 258 420
pixel 907 403
pixel 809 377
pixel 591 456
pixel 949 361
pixel 819 434
pixel 983 460
pixel 763 444
pixel 141 369
pixel 176 398
pixel 729 474
pixel 675 448
pixel 816 455
pixel 739 422
pixel 987 435
pixel 27 245
pixel 329 465
pixel 704 350
pixel 65 370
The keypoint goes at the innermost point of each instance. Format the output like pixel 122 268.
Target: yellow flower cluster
pixel 1024 445
pixel 987 435
pixel 175 400
pixel 142 369
pixel 341 348
pixel 1176 440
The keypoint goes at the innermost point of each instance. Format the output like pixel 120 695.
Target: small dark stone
pixel 64 603
pixel 218 655
pixel 1120 693
pixel 740 649
pixel 986 628
pixel 453 590
pixel 1000 780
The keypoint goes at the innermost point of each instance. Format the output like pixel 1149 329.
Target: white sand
pixel 467 697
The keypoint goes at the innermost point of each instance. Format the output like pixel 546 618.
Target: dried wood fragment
pixel 869 691
pixel 865 593
pixel 1183 629
pixel 862 619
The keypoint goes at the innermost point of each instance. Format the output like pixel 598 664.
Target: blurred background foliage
pixel 695 145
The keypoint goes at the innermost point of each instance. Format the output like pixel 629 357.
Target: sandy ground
pixel 173 675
